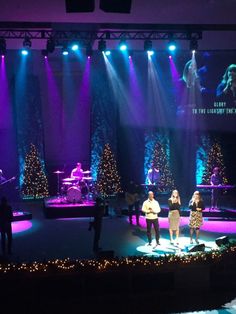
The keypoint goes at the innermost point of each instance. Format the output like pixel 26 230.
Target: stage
pixel 59 207
pixel 19 215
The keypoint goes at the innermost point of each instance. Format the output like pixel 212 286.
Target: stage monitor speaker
pixel 106 254
pixel 73 6
pixel 116 6
pixel 222 241
pixel 197 248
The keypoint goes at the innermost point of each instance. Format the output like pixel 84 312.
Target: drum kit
pixel 73 190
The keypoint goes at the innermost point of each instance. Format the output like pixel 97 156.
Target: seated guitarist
pixel 133 200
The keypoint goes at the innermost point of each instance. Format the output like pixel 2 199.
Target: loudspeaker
pixel 73 6
pixel 116 6
pixel 197 248
pixel 106 254
pixel 222 241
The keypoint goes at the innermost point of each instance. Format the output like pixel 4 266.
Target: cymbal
pixel 86 172
pixel 58 172
pixel 87 178
pixel 69 180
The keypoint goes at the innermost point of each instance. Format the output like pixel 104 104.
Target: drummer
pixel 77 173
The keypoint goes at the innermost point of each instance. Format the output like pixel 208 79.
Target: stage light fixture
pixel 26 46
pixel 65 51
pixel 45 53
pixel 123 45
pixel 102 46
pixel 75 47
pixel 222 241
pixel 130 53
pixel 193 45
pixel 172 46
pixel 3 47
pixel 197 248
pixel 89 50
pixel 107 52
pixel 27 43
pixel 50 47
pixel 148 47
pixel 150 53
pixel 24 52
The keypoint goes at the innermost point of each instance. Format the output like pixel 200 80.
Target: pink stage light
pixel 21 226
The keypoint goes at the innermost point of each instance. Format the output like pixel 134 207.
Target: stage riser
pixel 186 213
pixel 23 216
pixel 69 212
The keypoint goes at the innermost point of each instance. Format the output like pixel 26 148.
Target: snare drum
pixel 73 194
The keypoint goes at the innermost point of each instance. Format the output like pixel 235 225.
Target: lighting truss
pixel 98 35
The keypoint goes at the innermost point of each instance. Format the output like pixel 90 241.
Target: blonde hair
pixel 196 192
pixel 172 196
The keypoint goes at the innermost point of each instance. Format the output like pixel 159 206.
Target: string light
pixel 35 184
pixel 215 159
pixel 160 162
pixel 128 263
pixel 108 178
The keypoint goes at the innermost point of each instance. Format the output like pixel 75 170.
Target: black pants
pixel 97 233
pixel 6 231
pixel 155 224
pixel 136 211
pixel 215 194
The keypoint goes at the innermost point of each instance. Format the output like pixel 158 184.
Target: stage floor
pixel 41 238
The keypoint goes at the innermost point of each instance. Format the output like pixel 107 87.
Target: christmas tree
pixel 215 159
pixel 160 161
pixel 35 184
pixel 108 182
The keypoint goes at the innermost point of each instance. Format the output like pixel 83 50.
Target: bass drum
pixel 73 194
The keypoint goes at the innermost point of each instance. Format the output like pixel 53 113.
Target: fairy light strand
pixel 128 263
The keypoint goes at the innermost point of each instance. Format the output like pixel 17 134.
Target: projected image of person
pixel 226 90
pixel 190 75
pixel 196 206
pixel 153 175
pixel 191 91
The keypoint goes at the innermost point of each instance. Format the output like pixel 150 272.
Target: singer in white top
pixel 151 208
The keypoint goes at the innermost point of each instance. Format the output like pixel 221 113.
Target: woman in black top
pixel 174 215
pixel 196 206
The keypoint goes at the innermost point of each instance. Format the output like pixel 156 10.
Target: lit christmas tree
pixel 108 182
pixel 35 184
pixel 160 161
pixel 215 159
